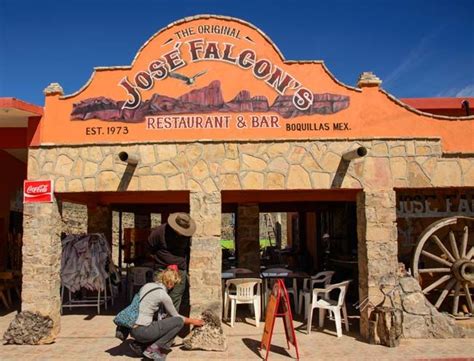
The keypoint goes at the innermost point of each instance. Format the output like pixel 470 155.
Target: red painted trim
pixel 437 103
pixel 138 197
pixel 13 138
pixel 272 196
pixel 21 105
pixel 33 132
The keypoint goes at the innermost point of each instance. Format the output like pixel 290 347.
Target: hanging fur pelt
pixel 28 328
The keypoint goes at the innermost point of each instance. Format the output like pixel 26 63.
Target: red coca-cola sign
pixel 37 191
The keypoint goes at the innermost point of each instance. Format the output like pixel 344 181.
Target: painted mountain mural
pixel 204 100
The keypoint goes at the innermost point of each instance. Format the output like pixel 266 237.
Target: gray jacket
pixel 152 302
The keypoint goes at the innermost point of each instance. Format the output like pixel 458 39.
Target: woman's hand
pixel 194 321
pixel 197 322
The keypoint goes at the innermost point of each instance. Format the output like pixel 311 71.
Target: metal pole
pixel 120 241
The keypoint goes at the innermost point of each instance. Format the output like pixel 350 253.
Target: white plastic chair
pixel 325 303
pixel 293 290
pixel 247 291
pixel 137 277
pixel 322 278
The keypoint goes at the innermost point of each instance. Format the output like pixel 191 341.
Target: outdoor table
pixel 283 274
pixel 239 273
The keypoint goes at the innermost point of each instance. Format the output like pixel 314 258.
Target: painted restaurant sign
pixel 203 105
pixel 200 50
pixel 217 78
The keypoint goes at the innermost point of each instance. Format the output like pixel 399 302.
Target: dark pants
pixel 160 333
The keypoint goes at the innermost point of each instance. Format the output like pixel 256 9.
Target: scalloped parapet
pixel 219 79
pixel 368 79
pixel 53 89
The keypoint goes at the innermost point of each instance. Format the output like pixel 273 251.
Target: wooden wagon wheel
pixel 453 266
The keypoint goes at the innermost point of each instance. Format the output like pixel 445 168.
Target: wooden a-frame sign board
pixel 278 305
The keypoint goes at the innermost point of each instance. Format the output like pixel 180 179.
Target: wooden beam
pixel 289 196
pixel 13 138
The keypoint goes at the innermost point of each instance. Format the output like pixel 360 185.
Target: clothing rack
pixel 85 264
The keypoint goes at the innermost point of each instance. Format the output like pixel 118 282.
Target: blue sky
pixel 418 48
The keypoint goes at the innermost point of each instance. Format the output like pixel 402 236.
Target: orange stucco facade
pixel 370 111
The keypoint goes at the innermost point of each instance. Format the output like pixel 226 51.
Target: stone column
pixel 42 261
pixel 99 220
pixel 377 247
pixel 248 237
pixel 205 290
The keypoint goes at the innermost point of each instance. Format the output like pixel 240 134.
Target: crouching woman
pixel 157 336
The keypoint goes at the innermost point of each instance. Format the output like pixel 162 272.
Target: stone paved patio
pixel 92 338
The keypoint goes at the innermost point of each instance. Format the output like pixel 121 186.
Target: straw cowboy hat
pixel 182 223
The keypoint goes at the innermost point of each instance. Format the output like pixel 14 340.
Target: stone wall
pixel 99 220
pixel 420 318
pixel 377 247
pixel 205 289
pixel 128 221
pixel 205 169
pixel 248 237
pixel 74 218
pixel 42 261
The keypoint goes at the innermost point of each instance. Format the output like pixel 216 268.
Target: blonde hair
pixel 168 276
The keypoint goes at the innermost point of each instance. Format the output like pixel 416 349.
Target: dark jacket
pixel 168 247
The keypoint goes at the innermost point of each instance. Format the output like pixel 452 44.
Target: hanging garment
pixel 84 261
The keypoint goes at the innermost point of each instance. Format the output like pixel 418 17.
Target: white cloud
pixel 415 57
pixel 467 91
pixel 458 92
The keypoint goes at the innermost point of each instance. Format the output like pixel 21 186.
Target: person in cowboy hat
pixel 169 245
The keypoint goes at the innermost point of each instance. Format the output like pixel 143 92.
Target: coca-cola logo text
pixel 39 189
